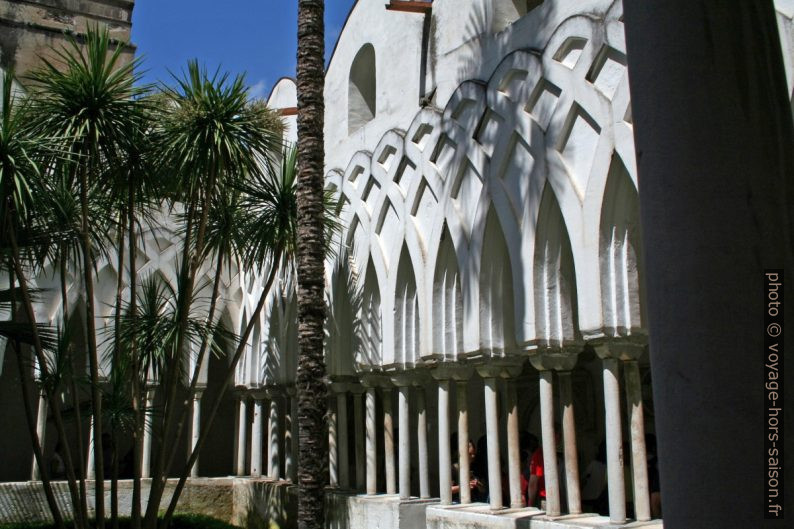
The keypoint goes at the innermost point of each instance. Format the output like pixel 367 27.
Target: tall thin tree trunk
pixel 216 285
pixel 312 392
pixel 229 376
pixel 44 471
pixel 114 477
pixel 190 265
pixel 73 390
pixel 51 396
pixel 93 355
pixel 139 417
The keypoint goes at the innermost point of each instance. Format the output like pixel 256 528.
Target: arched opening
pixel 497 320
pixel 447 301
pixel 505 12
pixel 620 252
pixel 406 312
pixel 555 282
pixel 361 92
pixel 217 454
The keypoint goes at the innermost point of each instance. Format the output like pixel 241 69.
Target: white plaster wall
pixel 544 102
pixel 285 96
pixel 397 39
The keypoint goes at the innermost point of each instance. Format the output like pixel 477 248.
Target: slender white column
pixel 513 449
pixel 572 489
pixel 242 431
pixel 358 420
pixel 333 444
pixel 372 447
pixel 273 456
pixel 195 431
pixel 617 490
pixel 463 441
pixel 444 455
pixel 90 470
pixel 291 437
pixel 41 433
pixel 341 417
pixel 421 415
pixel 388 440
pixel 256 438
pixel 404 453
pixel 639 457
pixel 549 440
pixel 492 433
pixel 146 456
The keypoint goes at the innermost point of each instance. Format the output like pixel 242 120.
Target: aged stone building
pixel 30 28
pixel 487 283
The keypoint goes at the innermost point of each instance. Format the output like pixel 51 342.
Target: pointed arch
pixel 556 319
pixel 620 253
pixel 371 316
pixel 447 301
pixel 497 316
pixel 344 341
pixel 406 312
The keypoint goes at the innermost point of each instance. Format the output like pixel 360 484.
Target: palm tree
pixel 19 179
pixel 89 105
pixel 209 135
pixel 268 205
pixel 312 392
pixel 136 190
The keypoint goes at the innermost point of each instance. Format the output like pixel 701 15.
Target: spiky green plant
pixel 88 103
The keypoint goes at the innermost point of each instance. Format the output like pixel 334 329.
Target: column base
pixel 384 511
pixel 586 521
pixel 480 515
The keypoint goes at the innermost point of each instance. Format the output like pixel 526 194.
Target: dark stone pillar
pixel 715 154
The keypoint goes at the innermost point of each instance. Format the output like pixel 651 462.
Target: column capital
pixel 402 379
pixel 374 380
pixel 620 349
pixel 341 384
pixel 356 389
pixel 450 371
pixel 501 368
pixel 555 358
pixel 273 391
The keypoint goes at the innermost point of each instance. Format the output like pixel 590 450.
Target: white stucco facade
pixel 489 271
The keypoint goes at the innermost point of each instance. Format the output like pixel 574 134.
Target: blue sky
pixel 258 37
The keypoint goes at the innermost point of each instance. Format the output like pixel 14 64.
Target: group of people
pixel 594 492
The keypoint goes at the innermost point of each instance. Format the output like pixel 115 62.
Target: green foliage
pixel 210 128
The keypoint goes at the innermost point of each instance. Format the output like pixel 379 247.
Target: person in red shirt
pixel 536 488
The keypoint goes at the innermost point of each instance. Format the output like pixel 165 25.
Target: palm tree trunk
pixel 226 381
pixel 140 423
pixel 186 296
pixel 114 478
pixel 31 424
pixel 312 392
pixel 93 355
pixel 216 285
pixel 52 398
pixel 75 395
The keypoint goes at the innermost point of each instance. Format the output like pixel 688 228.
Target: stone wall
pixel 29 28
pixel 246 503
